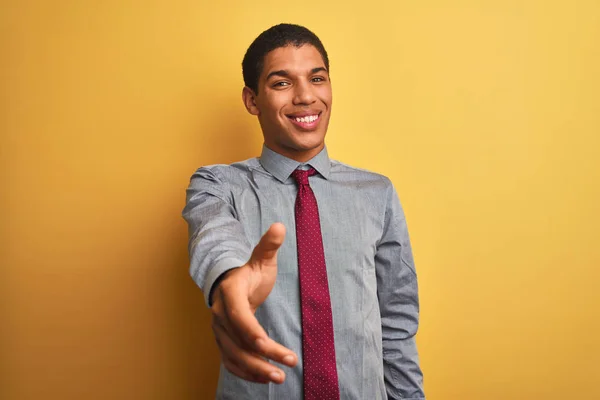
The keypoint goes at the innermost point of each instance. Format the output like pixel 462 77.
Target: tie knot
pixel 301 176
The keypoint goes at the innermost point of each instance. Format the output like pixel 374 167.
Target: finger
pixel 243 362
pixel 243 327
pixel 232 367
pixel 269 243
pixel 239 320
pixel 254 337
pixel 272 350
pixel 237 371
pixel 220 336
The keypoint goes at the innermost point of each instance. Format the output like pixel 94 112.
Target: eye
pixel 281 84
pixel 318 79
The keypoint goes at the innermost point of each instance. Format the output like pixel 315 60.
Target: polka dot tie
pixel 318 351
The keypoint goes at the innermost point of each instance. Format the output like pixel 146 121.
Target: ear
pixel 249 99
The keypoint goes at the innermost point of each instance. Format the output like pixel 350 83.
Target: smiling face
pixel 293 103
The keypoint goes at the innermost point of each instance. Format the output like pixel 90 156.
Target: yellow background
pixel 485 114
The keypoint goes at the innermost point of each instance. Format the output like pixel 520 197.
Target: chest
pixel 351 219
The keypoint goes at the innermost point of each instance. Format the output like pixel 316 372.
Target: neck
pixel 297 155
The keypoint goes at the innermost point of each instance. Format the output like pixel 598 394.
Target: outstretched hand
pixel 244 344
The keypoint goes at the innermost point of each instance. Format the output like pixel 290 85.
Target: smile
pixel 306 122
pixel 308 118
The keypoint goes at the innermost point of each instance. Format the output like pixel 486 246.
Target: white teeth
pixel 308 119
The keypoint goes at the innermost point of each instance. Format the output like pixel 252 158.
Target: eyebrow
pixel 284 73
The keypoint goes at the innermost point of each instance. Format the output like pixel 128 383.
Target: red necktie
pixel 318 351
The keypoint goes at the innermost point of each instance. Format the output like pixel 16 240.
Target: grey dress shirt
pixel 372 279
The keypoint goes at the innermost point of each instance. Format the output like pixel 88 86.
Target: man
pixel 304 261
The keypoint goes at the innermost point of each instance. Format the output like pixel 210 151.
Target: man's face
pixel 293 104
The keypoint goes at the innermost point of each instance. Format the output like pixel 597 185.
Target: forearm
pixel 402 371
pixel 399 306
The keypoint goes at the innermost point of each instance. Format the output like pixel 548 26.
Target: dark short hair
pixel 277 36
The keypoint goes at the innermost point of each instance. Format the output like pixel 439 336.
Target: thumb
pixel 266 249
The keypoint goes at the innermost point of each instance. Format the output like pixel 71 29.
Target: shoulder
pixel 376 187
pixel 363 178
pixel 218 179
pixel 225 173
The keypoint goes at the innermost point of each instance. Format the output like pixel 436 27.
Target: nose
pixel 303 93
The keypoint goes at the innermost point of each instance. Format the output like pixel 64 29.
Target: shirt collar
pixel 282 167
